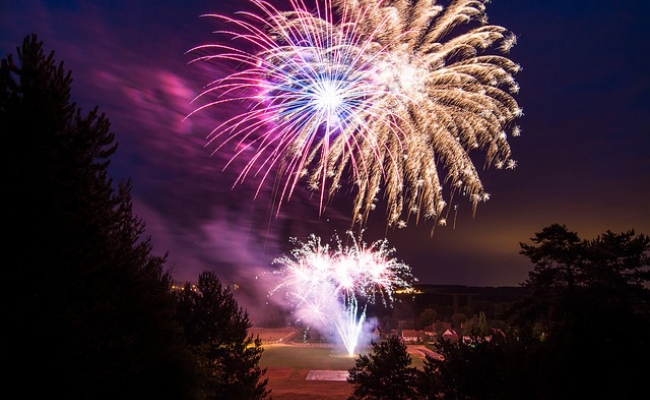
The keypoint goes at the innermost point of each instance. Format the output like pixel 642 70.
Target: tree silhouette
pixel 217 329
pixel 478 369
pixel 384 374
pixel 590 303
pixel 88 309
pixel 581 331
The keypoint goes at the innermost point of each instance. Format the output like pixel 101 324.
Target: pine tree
pixel 385 373
pixel 88 310
pixel 590 301
pixel 216 327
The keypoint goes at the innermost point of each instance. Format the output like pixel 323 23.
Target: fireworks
pixel 334 285
pixel 378 94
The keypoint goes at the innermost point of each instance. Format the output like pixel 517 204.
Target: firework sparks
pixel 334 285
pixel 378 94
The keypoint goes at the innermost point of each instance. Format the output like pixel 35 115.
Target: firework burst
pixel 333 285
pixel 383 95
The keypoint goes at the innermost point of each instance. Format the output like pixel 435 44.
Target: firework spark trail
pixel 334 285
pixel 349 324
pixel 379 94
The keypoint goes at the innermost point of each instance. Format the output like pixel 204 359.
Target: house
pixel 412 335
pixel 450 335
pixel 429 331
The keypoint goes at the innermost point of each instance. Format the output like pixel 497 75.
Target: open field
pixel 288 366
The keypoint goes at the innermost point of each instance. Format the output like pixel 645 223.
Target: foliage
pixel 590 303
pixel 384 374
pixel 88 305
pixel 478 369
pixel 581 331
pixel 476 326
pixel 216 329
pixel 427 317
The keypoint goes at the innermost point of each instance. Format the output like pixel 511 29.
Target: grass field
pixel 312 357
pixel 288 366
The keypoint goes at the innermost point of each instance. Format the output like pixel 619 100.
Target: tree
pixel 88 306
pixel 556 254
pixel 384 374
pixel 458 319
pixel 427 317
pixel 580 332
pixel 478 370
pixel 590 303
pixel 476 326
pixel 217 330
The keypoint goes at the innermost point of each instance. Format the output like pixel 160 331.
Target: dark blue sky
pixel 583 156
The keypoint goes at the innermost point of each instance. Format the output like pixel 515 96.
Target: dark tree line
pixel 590 308
pixel 88 311
pixel 583 332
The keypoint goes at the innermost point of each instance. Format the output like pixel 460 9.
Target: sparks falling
pixel 332 286
pixel 388 96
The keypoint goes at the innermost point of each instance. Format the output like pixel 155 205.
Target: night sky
pixel 583 155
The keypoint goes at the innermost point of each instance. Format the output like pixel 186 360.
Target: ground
pixel 305 372
pixel 292 384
